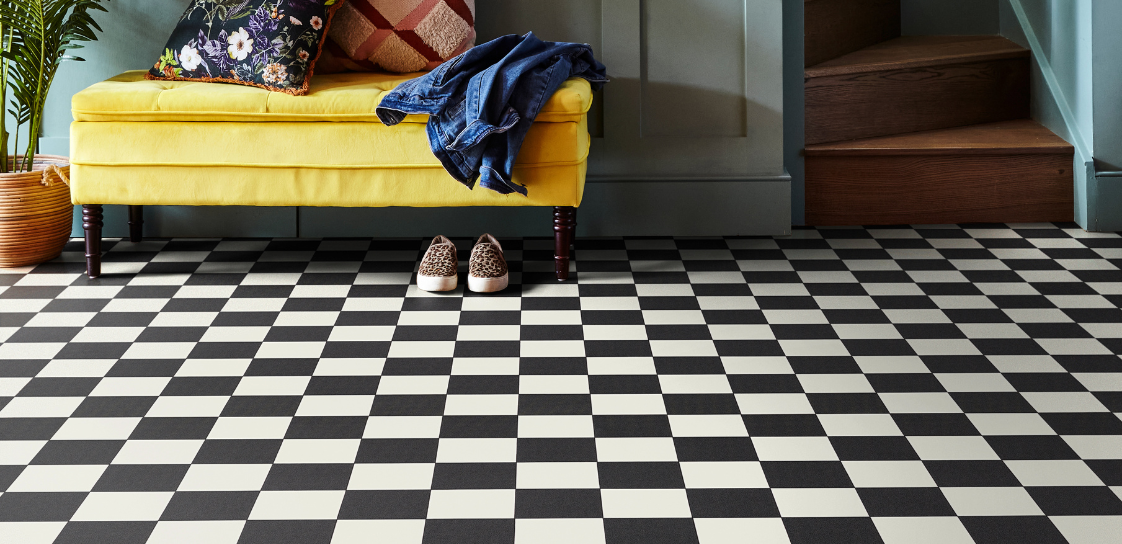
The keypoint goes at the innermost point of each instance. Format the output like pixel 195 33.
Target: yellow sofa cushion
pixel 305 164
pixel 238 186
pixel 136 141
pixel 346 97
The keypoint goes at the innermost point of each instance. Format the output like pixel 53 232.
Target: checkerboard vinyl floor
pixel 898 385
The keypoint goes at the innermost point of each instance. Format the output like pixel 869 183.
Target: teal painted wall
pixel 949 17
pixel 134 33
pixel 1107 85
pixel 794 120
pixel 1107 203
pixel 1060 34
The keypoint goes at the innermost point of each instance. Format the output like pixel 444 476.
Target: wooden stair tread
pixel 1021 136
pixel 919 51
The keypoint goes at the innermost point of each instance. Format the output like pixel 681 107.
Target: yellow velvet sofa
pixel 139 142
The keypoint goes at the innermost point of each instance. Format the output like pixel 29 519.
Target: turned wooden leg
pixel 564 225
pixel 136 223
pixel 91 223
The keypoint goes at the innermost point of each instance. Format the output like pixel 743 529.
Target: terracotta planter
pixel 35 212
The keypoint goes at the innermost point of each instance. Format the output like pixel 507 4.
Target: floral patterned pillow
pixel 272 44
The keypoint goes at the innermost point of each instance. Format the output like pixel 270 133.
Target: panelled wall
pixel 687 137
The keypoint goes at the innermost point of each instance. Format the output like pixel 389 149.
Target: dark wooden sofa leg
pixel 91 223
pixel 564 225
pixel 136 224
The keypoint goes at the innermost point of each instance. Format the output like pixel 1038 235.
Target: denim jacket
pixel 496 88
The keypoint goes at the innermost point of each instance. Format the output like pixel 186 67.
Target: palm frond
pixel 42 31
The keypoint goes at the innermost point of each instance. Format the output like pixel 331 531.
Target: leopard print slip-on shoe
pixel 438 267
pixel 487 272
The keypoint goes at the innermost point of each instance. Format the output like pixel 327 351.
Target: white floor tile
pixel 555 427
pixel 859 425
pixel 645 503
pixel 774 403
pixel 637 449
pixel 130 387
pixel 1089 529
pixel 888 474
pixel 926 530
pixel 32 532
pixel 558 531
pixel 481 405
pixel 334 405
pixel 1036 473
pixel 1095 446
pixel 554 385
pixel 412 385
pixel 920 403
pixel 40 406
pixel 402 427
pixel 251 428
pixel 290 350
pixel 640 404
pixel 723 474
pixel 694 384
pixel 297 505
pixel 208 406
pixel 824 502
pixel 471 504
pixel 318 450
pixel 835 383
pixel 398 531
pixel 794 448
pixel 477 450
pixel 240 477
pixel 734 531
pixel 392 476
pixel 707 425
pixel 1010 424
pixel 148 452
pixel 560 475
pixel 190 532
pixel 272 385
pixel 1045 402
pixel 123 506
pixel 97 428
pixel 991 501
pixel 947 448
pixel 43 478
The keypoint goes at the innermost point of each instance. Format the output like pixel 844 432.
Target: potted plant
pixel 35 209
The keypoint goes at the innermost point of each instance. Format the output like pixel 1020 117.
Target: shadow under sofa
pixel 138 142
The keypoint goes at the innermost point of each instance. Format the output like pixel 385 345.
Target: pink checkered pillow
pixel 397 35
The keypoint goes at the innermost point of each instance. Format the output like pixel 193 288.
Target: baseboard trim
pixel 687 179
pixel 1104 192
pixel 610 208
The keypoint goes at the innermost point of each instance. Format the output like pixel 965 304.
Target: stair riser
pixel 846 107
pixel 836 27
pixel 926 189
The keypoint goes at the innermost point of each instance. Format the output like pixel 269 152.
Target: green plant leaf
pixel 42 31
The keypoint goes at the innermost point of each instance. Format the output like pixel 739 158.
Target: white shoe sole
pixel 488 285
pixel 436 283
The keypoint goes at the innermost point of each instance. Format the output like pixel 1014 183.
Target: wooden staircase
pixel 922 129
